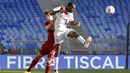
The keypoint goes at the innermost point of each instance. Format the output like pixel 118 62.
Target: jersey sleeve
pixel 57 8
pixel 71 17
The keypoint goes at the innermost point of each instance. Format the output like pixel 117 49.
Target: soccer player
pixel 64 16
pixel 48 48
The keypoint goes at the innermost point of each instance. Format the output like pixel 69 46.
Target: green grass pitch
pixel 69 71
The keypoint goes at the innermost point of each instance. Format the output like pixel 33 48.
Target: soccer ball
pixel 110 10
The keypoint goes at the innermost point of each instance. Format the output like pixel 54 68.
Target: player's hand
pixel 62 8
pixel 78 23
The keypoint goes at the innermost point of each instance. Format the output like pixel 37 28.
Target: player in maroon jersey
pixel 48 48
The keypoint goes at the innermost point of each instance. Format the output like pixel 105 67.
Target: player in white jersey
pixel 64 16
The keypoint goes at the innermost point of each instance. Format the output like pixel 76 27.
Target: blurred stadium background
pixel 22 30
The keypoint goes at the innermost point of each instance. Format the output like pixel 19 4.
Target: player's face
pixel 48 17
pixel 71 8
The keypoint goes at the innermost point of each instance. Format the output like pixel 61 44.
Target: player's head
pixel 48 16
pixel 70 7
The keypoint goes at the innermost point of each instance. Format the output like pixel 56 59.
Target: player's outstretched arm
pixel 53 12
pixel 56 10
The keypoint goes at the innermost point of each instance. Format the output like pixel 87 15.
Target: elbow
pixel 75 23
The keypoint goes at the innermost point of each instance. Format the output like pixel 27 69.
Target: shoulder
pixel 46 23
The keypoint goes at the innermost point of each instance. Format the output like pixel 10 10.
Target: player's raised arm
pixel 56 10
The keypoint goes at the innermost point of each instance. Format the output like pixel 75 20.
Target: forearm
pixel 53 12
pixel 74 22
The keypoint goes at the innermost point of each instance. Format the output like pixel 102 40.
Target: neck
pixel 66 8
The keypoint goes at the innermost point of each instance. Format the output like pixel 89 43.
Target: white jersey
pixel 62 19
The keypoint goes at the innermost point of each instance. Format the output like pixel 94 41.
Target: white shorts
pixel 60 35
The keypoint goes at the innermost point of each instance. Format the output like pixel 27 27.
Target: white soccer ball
pixel 110 10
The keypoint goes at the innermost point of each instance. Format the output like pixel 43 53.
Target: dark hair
pixel 45 13
pixel 70 4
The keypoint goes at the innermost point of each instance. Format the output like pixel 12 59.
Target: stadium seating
pixel 102 25
pixel 21 20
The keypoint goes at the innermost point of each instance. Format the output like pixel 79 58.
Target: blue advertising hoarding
pixel 66 62
pixel 129 62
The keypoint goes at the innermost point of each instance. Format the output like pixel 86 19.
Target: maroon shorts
pixel 48 48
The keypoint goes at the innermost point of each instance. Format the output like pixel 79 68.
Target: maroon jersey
pixel 49 46
pixel 50 33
